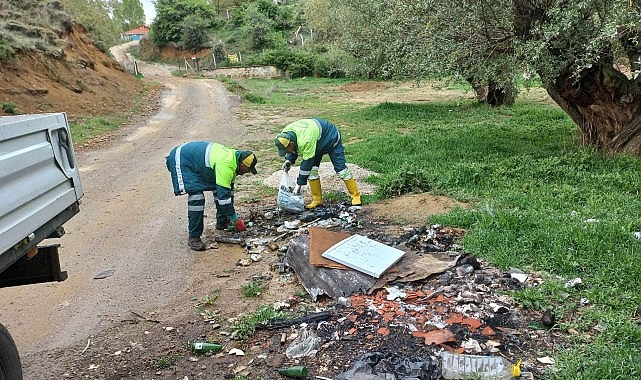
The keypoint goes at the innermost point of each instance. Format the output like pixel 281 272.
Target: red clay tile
pixel 488 331
pixel 383 331
pixel 472 322
pixel 439 337
pixel 454 318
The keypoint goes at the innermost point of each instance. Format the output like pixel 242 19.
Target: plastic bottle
pixel 201 347
pixel 461 366
pixel 297 371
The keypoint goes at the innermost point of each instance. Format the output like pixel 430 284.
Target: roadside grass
pixel 83 129
pixel 542 203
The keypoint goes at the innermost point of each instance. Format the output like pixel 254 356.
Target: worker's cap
pixel 249 159
pixel 281 141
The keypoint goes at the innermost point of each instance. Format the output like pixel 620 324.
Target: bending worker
pixel 312 139
pixel 201 166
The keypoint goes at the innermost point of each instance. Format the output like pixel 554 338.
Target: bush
pixel 10 108
pixel 404 180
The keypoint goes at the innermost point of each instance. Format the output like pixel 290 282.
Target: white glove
pixel 297 189
pixel 287 165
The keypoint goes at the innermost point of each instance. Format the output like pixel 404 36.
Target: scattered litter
pixel 393 292
pixel 573 283
pixel 237 352
pixel 294 224
pixel 461 366
pixel 104 274
pixel 344 301
pixel 229 240
pixel 378 365
pixel 591 220
pixel 546 360
pixel 520 276
pixel 637 235
pixel 307 343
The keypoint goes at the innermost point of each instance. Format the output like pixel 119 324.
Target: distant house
pixel 136 34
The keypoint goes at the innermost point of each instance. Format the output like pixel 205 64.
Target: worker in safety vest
pixel 312 139
pixel 201 166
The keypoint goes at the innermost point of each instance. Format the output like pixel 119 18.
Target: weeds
pixel 244 328
pixel 10 108
pixel 166 361
pixel 253 288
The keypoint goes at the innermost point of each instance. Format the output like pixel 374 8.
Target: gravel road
pixel 130 222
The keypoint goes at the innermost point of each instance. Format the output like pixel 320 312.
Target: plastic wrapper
pixel 307 343
pixel 383 366
pixel 287 200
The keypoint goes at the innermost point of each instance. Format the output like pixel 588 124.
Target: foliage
pixel 128 13
pixel 166 361
pixel 253 288
pixel 10 108
pixel 169 24
pixel 408 178
pixel 87 128
pixel 6 48
pixel 95 16
pixel 244 328
pixel 194 35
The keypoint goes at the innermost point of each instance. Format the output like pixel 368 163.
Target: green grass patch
pixel 85 129
pixel 244 328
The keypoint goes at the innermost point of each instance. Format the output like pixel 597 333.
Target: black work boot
pixel 196 244
pixel 222 226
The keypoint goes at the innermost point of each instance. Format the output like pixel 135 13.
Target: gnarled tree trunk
pixel 606 106
pixel 602 101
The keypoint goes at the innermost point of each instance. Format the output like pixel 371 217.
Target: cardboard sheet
pixel 320 240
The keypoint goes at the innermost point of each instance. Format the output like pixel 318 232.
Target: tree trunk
pixel 500 96
pixel 492 94
pixel 603 102
pixel 606 106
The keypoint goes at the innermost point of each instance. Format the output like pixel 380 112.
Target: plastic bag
pixel 287 200
pixel 382 366
pixel 307 343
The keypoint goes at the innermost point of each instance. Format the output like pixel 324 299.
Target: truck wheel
pixel 10 368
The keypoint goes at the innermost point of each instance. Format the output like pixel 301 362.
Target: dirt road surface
pixel 130 222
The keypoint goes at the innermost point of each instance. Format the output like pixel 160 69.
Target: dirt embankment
pixel 82 81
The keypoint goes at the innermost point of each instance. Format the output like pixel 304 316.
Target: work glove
pixel 287 165
pixel 236 226
pixel 296 189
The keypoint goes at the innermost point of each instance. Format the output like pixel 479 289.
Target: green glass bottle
pixel 297 371
pixel 202 347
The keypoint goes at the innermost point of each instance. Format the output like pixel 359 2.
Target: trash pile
pixel 405 321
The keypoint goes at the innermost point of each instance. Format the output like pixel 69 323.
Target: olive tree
pixel 586 52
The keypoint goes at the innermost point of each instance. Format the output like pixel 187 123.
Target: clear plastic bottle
pixel 461 366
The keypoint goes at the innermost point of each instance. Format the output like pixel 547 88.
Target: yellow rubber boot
pixel 317 195
pixel 353 191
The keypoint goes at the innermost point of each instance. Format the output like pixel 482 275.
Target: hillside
pixel 62 70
